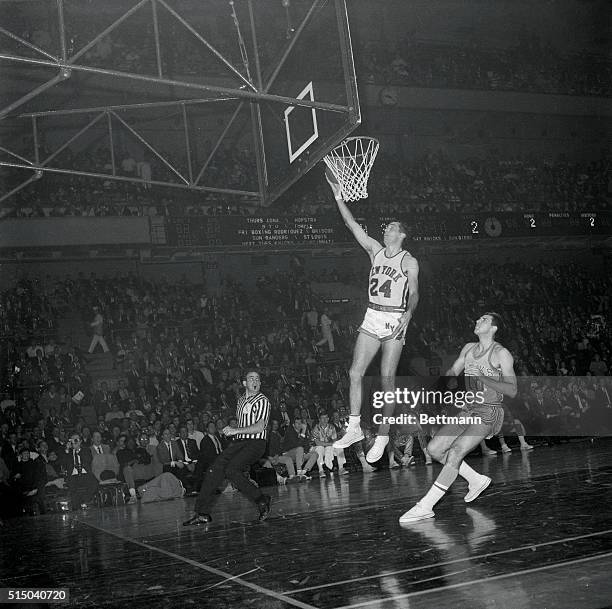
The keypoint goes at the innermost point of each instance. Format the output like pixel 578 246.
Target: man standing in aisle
pixel 98 329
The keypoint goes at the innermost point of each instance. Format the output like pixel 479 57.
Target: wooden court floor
pixel 539 538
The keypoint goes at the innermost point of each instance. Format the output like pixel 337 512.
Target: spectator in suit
pixel 10 451
pixel 156 388
pixel 193 433
pixel 50 399
pixel 54 440
pixel 170 455
pixel 134 374
pixel 282 416
pixel 210 447
pixel 188 447
pixel 191 454
pixel 102 399
pixel 122 395
pixel 80 480
pixel 97 447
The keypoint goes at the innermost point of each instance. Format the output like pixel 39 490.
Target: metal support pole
pixel 28 44
pixel 91 110
pixel 17 156
pixel 62 29
pixel 108 30
pixel 111 142
pixel 156 34
pixel 251 95
pixel 76 136
pixel 35 140
pixel 209 46
pixel 290 46
pixel 31 95
pixel 151 148
pixel 20 187
pixel 255 47
pixel 187 143
pixel 260 156
pixel 348 63
pixel 219 140
pixel 258 139
pixel 88 174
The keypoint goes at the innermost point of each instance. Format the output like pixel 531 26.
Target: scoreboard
pixel 271 231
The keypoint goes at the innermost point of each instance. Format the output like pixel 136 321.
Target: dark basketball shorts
pixel 489 414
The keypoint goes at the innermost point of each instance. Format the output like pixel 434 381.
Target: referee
pixel 249 445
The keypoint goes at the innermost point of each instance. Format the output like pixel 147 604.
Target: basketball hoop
pixel 351 162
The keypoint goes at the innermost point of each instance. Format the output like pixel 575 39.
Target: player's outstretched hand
pixel 331 180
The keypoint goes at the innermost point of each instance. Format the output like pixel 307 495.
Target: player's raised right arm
pixel 369 244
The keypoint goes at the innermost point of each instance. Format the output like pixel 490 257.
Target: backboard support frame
pixel 252 90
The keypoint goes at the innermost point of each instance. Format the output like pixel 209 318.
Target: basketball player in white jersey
pixel 393 297
pixel 489 369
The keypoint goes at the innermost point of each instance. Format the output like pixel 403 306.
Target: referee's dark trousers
pixel 231 464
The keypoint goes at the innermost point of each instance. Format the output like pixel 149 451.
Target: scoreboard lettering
pixel 273 231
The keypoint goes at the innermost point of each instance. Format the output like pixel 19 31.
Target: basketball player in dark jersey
pixel 489 369
pixel 393 297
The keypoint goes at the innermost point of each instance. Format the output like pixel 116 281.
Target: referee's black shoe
pixel 198 519
pixel 263 503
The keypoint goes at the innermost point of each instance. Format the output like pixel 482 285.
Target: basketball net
pixel 351 163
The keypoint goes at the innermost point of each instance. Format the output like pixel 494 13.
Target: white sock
pixel 133 492
pixel 434 494
pixel 443 482
pixel 354 420
pixel 471 475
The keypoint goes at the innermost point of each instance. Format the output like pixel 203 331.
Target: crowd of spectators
pixel 554 325
pixel 179 353
pixel 26 308
pixel 436 183
pixel 554 314
pixel 431 184
pixel 531 66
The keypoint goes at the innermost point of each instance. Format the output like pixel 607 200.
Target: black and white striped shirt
pixel 249 411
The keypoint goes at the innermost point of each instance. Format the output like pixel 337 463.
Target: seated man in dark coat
pixel 80 480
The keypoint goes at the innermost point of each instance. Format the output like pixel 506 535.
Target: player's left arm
pixel 507 384
pixel 410 267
